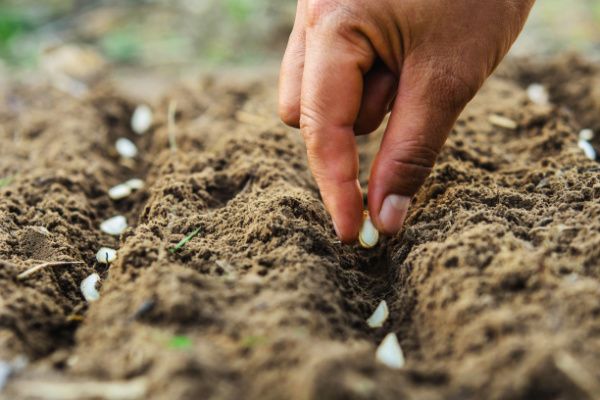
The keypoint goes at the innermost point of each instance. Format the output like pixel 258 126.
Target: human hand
pixel 349 62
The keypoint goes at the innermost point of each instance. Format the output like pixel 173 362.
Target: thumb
pixel 427 104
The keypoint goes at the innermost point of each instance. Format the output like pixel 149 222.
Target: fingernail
pixel 393 211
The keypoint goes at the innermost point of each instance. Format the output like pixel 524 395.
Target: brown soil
pixel 493 284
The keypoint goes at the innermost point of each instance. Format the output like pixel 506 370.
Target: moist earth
pixel 493 283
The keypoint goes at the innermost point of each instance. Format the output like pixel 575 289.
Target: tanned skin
pixel 350 62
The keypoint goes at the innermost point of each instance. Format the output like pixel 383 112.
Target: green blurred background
pixel 183 33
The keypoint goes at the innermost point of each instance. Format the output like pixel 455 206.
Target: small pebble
pixel 587 148
pixel 538 94
pixel 114 226
pixel 586 134
pixel 141 120
pixel 106 255
pixel 390 353
pixel 379 316
pixel 368 235
pixel 135 184
pixel 502 122
pixel 126 148
pixel 88 288
pixel 119 192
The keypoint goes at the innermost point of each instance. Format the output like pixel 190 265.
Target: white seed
pixel 106 255
pixel 368 236
pixel 119 192
pixel 114 226
pixel 390 353
pixel 88 288
pixel 538 94
pixel 126 148
pixel 502 122
pixel 588 149
pixel 379 316
pixel 141 120
pixel 135 184
pixel 586 134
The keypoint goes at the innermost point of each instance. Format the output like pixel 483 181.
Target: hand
pixel 348 62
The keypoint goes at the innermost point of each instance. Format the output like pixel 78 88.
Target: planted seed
pixel 119 192
pixel 368 235
pixel 586 134
pixel 142 119
pixel 587 148
pixel 538 94
pixel 114 226
pixel 106 255
pixel 135 184
pixel 379 316
pixel 88 288
pixel 389 352
pixel 126 148
pixel 502 122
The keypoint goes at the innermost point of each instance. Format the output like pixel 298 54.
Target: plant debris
pixel 186 239
pixel 180 342
pixel 38 267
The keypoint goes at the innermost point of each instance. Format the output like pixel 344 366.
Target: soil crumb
pixel 492 285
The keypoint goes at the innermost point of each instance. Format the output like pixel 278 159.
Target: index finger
pixel 332 85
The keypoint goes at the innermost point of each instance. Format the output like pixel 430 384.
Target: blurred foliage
pixel 183 32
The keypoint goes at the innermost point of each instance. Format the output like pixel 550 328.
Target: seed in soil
pixel 390 353
pixel 538 94
pixel 586 134
pixel 114 226
pixel 106 255
pixel 126 148
pixel 368 235
pixel 88 288
pixel 119 192
pixel 135 184
pixel 587 148
pixel 502 122
pixel 142 119
pixel 379 316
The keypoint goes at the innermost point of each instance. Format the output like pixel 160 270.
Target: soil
pixel 493 284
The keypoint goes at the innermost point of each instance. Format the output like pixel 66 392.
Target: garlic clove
pixel 88 288
pixel 379 316
pixel 119 192
pixel 114 226
pixel 390 353
pixel 126 148
pixel 142 119
pixel 106 255
pixel 368 235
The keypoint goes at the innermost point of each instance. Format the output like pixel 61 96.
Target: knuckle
pixel 317 10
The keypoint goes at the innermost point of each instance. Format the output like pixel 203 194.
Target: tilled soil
pixel 493 284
